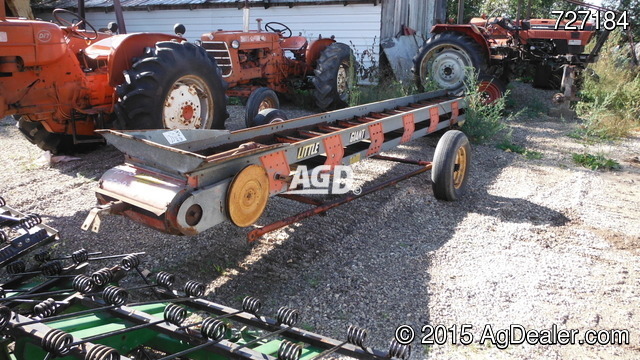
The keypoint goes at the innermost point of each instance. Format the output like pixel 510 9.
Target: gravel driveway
pixel 533 242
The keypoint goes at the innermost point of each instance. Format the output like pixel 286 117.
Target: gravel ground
pixel 533 242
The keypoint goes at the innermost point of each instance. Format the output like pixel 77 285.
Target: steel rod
pixel 257 233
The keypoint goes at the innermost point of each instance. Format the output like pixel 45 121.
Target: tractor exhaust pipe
pixel 245 16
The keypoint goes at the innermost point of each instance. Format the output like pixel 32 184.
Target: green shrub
pixel 482 121
pixel 610 100
pixel 595 162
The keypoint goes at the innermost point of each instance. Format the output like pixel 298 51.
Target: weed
pixel 595 162
pixel 508 146
pixel 219 269
pixel 482 121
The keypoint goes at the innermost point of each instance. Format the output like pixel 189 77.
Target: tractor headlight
pixel 235 44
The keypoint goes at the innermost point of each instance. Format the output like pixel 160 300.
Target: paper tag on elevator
pixel 3 36
pixel 174 136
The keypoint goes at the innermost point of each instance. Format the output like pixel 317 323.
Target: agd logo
pixel 320 181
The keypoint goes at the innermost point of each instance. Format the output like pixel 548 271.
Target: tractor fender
pixel 467 29
pixel 120 50
pixel 315 49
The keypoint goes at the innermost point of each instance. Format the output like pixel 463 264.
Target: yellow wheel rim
pixel 267 103
pixel 247 195
pixel 460 167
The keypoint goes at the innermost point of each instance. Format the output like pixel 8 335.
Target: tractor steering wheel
pixel 286 29
pixel 74 27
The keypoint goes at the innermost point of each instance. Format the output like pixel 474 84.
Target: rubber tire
pixel 443 165
pixel 326 72
pixel 474 51
pixel 266 116
pixel 150 79
pixel 545 78
pixel 253 104
pixel 498 84
pixel 53 142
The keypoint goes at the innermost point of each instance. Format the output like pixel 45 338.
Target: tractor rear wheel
pixel 176 86
pixel 451 163
pixel 333 77
pixel 443 60
pixel 260 99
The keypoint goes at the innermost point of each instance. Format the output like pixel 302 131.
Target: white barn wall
pixel 358 24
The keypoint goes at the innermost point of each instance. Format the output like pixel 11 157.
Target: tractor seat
pixel 294 43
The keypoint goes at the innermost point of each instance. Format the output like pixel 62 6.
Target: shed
pixel 359 23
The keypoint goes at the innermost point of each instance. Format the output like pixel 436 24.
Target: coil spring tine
pixel 3 237
pixel 102 352
pixel 42 256
pixel 83 284
pixel 251 305
pixel 289 351
pixel 56 342
pixel 2 201
pixel 356 336
pixel 175 314
pixel 5 316
pixel 130 262
pixel 399 351
pixel 165 279
pixel 16 267
pixel 284 316
pixel 52 268
pixel 29 221
pixel 102 277
pixel 114 295
pixel 45 308
pixel 80 256
pixel 287 316
pixel 194 289
pixel 213 329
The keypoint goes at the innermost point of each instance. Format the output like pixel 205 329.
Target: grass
pixel 508 146
pixel 595 162
pixel 610 101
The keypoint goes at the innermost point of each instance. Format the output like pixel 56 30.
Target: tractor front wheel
pixel 491 89
pixel 176 86
pixel 333 77
pixel 443 59
pixel 260 99
pixel 451 163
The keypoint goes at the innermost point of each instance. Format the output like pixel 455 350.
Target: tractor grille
pixel 219 51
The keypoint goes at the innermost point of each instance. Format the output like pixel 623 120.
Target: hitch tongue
pixel 93 219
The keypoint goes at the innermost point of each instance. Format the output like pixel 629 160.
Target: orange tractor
pixel 258 64
pixel 62 82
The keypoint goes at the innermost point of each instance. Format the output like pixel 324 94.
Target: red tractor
pixel 62 82
pixel 500 49
pixel 258 64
